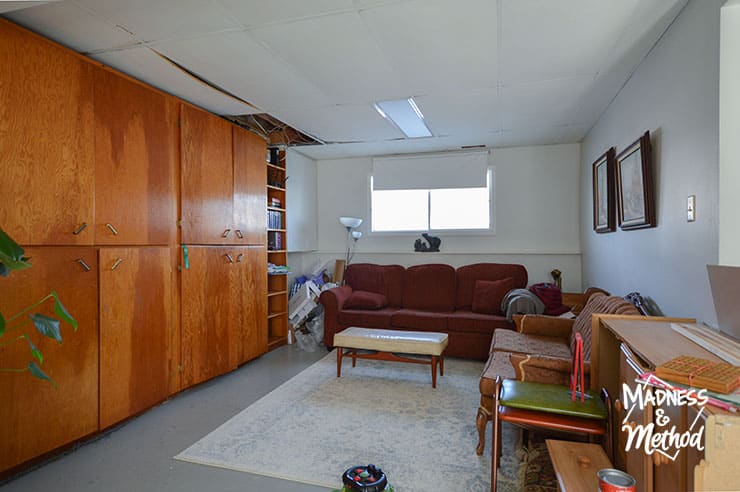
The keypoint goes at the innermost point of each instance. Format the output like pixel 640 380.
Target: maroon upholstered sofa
pixel 432 297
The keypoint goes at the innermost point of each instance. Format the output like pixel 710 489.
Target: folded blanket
pixel 521 301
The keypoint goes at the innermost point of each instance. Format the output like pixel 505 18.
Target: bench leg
pixel 441 365
pixel 354 358
pixel 434 371
pixel 482 422
pixel 339 361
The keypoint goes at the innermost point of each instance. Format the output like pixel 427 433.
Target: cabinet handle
pixel 84 265
pixel 226 233
pixel 80 229
pixel 656 458
pixel 618 405
pixel 116 264
pixel 112 229
pixel 240 257
pixel 229 258
pixel 239 234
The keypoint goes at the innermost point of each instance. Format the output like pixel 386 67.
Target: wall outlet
pixel 691 208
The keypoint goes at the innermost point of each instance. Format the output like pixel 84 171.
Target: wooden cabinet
pixel 135 328
pixel 46 141
pixel 209 309
pixel 252 319
pixel 36 416
pixel 136 162
pixel 250 192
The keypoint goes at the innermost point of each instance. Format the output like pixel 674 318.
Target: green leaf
pixel 62 312
pixel 36 372
pixel 47 326
pixel 34 350
pixel 11 255
pixel 2 325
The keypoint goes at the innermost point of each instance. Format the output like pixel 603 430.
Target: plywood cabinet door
pixel 36 416
pixel 250 187
pixel 135 325
pixel 252 320
pixel 207 178
pixel 136 162
pixel 46 141
pixel 209 310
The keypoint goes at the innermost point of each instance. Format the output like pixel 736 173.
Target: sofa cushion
pixel 468 274
pixel 511 341
pixel 381 279
pixel 362 299
pixel 488 295
pixel 429 288
pixel 366 318
pixel 600 304
pixel 464 320
pixel 419 320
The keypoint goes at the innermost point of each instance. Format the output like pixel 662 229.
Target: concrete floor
pixel 137 456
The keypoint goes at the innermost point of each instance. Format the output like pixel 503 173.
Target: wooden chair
pixel 550 406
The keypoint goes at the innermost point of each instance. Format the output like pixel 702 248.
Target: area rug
pixel 315 426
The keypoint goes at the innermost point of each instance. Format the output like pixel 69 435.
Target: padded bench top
pixel 405 342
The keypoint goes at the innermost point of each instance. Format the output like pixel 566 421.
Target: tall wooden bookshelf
pixel 277 251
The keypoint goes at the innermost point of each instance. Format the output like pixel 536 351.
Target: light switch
pixel 691 208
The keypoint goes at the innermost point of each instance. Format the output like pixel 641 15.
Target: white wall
pixel 301 202
pixel 729 129
pixel 674 94
pixel 535 207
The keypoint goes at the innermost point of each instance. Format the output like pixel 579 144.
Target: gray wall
pixel 674 94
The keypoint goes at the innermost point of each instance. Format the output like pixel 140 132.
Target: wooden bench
pixel 388 344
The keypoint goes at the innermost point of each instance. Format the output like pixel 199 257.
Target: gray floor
pixel 138 455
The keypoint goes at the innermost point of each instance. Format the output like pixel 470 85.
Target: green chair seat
pixel 550 398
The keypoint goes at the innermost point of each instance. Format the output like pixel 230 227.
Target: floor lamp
pixel 350 223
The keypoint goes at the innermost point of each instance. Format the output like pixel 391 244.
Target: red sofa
pixel 432 297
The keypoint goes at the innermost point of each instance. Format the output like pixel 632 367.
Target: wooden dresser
pixel 622 348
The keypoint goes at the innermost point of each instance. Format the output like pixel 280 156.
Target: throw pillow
pixel 362 299
pixel 488 294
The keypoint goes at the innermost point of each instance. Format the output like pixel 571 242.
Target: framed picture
pixel 636 202
pixel 603 184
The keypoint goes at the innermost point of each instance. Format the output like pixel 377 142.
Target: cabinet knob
pixel 82 227
pixel 84 265
pixel 112 229
pixel 229 258
pixel 116 263
pixel 239 234
pixel 618 405
pixel 226 233
pixel 240 257
pixel 656 458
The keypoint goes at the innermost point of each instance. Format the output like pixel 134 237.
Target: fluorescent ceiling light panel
pixel 405 115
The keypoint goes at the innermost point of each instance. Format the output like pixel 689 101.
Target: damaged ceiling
pixel 306 73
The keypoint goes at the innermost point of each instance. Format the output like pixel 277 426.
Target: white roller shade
pixel 430 172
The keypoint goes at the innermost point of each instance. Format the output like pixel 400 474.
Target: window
pixel 443 209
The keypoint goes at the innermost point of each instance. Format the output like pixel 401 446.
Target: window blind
pixel 431 171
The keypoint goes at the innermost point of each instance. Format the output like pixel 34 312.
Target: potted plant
pixel 13 328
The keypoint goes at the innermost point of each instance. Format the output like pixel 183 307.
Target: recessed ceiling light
pixel 405 115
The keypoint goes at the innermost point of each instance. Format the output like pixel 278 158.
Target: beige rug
pixel 314 426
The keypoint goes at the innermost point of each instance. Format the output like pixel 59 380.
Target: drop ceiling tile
pixel 438 46
pixel 151 20
pixel 534 133
pixel 599 94
pixel 388 147
pixel 336 53
pixel 542 39
pixel 557 101
pixel 462 113
pixel 145 65
pixel 10 6
pixel 251 13
pixel 68 24
pixel 236 62
pixel 341 123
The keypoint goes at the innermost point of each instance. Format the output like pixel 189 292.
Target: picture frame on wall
pixel 603 192
pixel 635 194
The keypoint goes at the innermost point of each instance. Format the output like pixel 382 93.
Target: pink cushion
pixel 361 299
pixel 488 295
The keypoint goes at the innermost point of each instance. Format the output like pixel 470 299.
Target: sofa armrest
pixel 544 369
pixel 333 300
pixel 548 326
pixel 576 301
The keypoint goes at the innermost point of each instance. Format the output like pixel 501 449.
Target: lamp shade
pixel 350 222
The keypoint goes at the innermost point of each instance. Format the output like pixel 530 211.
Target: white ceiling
pixel 484 72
